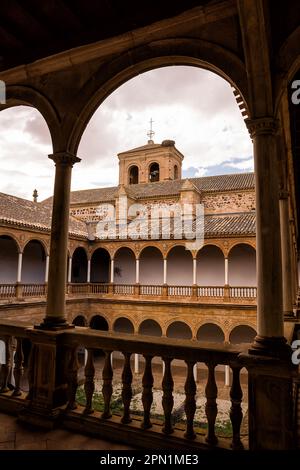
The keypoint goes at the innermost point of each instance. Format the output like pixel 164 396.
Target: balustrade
pixel 166 349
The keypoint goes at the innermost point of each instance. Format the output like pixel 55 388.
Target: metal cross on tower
pixel 150 133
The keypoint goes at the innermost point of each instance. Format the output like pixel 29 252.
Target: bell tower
pixel 150 163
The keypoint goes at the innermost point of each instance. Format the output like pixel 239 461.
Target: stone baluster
pixel 211 409
pixel 89 384
pixel 147 395
pixel 126 390
pixel 6 368
pixel 167 400
pixel 236 414
pixel 30 373
pixel 19 367
pixel 72 379
pixel 107 389
pixel 190 401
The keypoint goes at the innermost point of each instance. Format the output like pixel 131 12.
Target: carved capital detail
pixel 264 125
pixel 64 158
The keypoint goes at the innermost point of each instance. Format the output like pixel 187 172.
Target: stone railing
pixel 143 429
pixel 242 294
pixel 59 391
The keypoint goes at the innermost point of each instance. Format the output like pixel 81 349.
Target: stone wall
pixel 240 201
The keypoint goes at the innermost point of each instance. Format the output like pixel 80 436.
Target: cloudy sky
pixel 194 107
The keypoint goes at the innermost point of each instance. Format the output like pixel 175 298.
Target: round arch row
pixel 208 332
pixel 29 265
pixel 208 267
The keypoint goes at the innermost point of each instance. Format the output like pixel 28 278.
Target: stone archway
pixel 34 263
pixel 179 329
pixel 79 265
pixel 8 260
pixel 210 332
pixel 100 266
pixel 242 265
pixel 150 328
pixel 242 334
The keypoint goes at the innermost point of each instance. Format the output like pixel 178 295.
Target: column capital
pixel 64 158
pixel 263 125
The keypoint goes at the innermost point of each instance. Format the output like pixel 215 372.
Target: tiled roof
pixel 233 224
pixel 220 183
pixel 214 226
pixel 18 211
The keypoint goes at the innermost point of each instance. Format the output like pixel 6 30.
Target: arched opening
pixel 79 265
pixel 210 332
pixel 124 266
pixel 175 172
pixel 151 266
pixel 210 266
pixel 34 263
pixel 179 261
pixel 150 328
pixel 8 260
pixel 242 266
pixel 154 172
pixel 100 266
pixel 79 321
pixel 133 175
pixel 98 323
pixel 179 329
pixel 242 334
pixel 123 325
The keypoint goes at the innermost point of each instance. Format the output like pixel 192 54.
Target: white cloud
pixel 192 106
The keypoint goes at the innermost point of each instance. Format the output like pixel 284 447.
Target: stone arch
pixel 123 325
pixel 34 262
pixel 14 238
pixel 99 322
pixel 176 173
pixel 80 320
pixel 79 265
pixel 153 172
pixel 124 265
pixel 41 241
pixel 192 52
pixel 179 329
pixel 19 95
pixel 178 258
pixel 151 265
pixel 210 332
pixel 150 327
pixel 133 174
pixel 210 266
pixel 9 249
pixel 242 265
pixel 100 265
pixel 242 334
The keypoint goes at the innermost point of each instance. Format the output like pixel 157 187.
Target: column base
pixel 39 417
pixel 54 323
pixel 271 346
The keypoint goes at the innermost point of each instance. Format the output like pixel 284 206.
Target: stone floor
pixel 15 436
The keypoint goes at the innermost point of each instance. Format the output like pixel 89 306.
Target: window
pixel 175 172
pixel 154 172
pixel 133 175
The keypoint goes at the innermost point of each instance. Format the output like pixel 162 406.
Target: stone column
pixel 47 269
pixel 165 270
pixel 269 340
pixel 70 270
pixel 112 262
pixel 226 271
pixel 137 271
pixel 227 375
pixel 19 270
pixel 88 276
pixel 286 253
pixel 55 312
pixel 195 271
pixel 136 363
